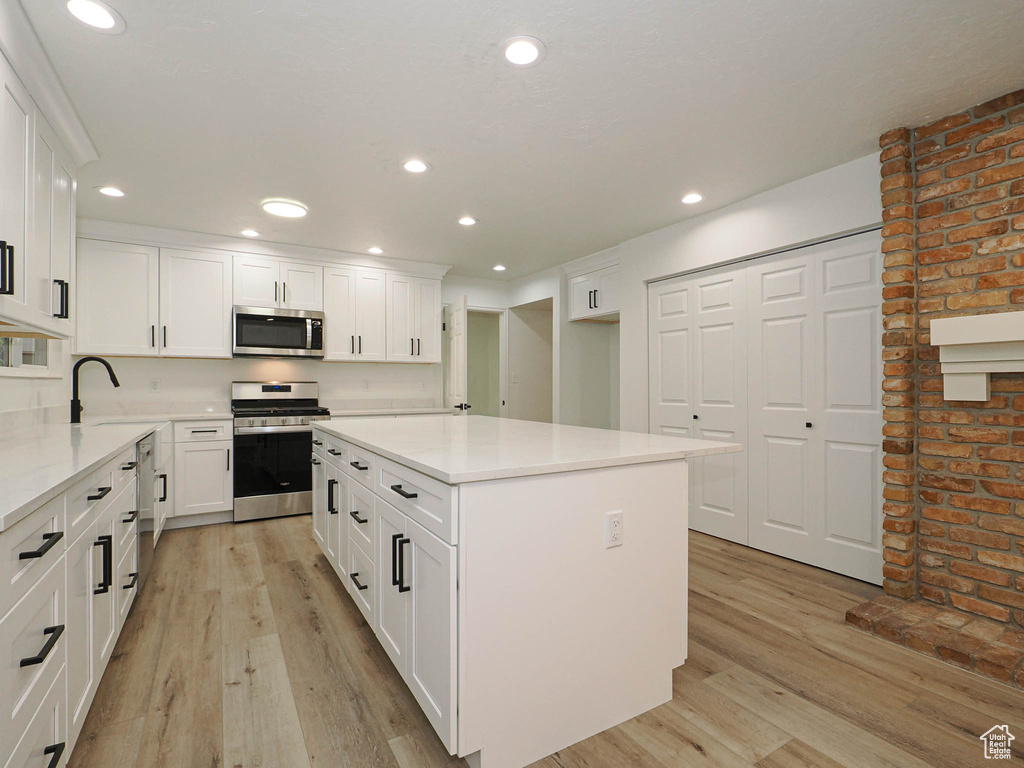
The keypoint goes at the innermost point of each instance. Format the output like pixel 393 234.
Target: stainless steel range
pixel 272 445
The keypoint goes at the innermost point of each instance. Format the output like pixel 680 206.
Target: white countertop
pixel 157 418
pixel 40 462
pixel 468 449
pixel 391 412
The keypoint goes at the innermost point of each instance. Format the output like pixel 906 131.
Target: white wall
pixel 841 199
pixel 25 401
pixel 484 346
pixel 530 364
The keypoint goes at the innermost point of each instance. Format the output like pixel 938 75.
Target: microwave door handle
pixel 309 334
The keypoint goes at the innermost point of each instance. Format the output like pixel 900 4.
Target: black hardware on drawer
pixel 354 514
pixel 129 466
pixel 402 586
pixel 333 452
pixel 107 543
pixel 358 466
pixel 204 431
pixel 394 558
pixel 355 581
pixel 163 496
pixel 403 493
pixel 330 496
pixel 808 425
pixel 100 493
pixel 54 634
pixel 56 750
pixel 49 539
pixel 132 517
pixel 6 268
pixel 317 442
pixel 135 578
pixel 314 462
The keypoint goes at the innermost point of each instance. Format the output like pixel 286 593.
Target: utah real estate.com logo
pixel 997 741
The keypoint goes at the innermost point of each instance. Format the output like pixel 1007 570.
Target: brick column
pixel 899 325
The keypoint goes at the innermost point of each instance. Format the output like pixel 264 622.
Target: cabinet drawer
pixel 362 517
pixel 126 580
pixel 46 735
pixel 33 634
pixel 126 512
pixel 31 535
pixel 362 581
pixel 319 446
pixel 336 451
pixel 192 431
pixel 361 465
pixel 88 498
pixel 124 469
pixel 429 502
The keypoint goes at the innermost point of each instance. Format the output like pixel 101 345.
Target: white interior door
pixel 457 360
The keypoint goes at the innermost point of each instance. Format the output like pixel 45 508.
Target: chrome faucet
pixel 76 404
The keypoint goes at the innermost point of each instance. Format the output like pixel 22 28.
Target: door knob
pixel 808 425
pixel 695 417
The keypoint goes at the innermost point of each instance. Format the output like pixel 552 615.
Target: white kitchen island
pixel 478 551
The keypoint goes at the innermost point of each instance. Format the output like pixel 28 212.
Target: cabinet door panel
pixel 118 296
pixel 195 304
pixel 581 290
pixel 203 480
pixel 428 316
pixel 256 282
pixel 607 297
pixel 79 630
pixel 340 314
pixel 401 318
pixel 104 612
pixel 320 502
pixel 371 316
pixel 16 109
pixel 302 286
pixel 335 515
pixel 392 606
pixel 430 572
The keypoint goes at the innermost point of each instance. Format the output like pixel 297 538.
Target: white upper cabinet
pixel 413 319
pixel 354 304
pixel 262 282
pixel 53 240
pixel 594 294
pixel 195 304
pixel 117 290
pixel 16 112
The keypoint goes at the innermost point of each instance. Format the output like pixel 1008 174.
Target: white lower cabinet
pixel 45 742
pixel 319 500
pixel 361 578
pixel 203 479
pixel 335 514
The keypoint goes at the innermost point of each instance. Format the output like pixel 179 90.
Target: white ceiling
pixel 202 108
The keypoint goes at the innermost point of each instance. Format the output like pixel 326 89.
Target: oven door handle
pixel 272 430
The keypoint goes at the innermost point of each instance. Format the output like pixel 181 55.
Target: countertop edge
pixel 13 517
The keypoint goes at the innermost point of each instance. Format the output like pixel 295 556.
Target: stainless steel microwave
pixel 263 332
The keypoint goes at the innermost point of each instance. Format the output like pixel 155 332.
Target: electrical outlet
pixel 612 530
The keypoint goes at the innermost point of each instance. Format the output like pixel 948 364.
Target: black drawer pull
pixel 107 543
pixel 317 442
pixel 314 462
pixel 357 465
pixel 129 466
pixel 204 431
pixel 355 581
pixel 56 750
pixel 402 587
pixel 394 558
pixel 403 493
pixel 355 516
pixel 49 539
pixel 333 452
pixel 54 635
pixel 330 496
pixel 135 579
pixel 132 517
pixel 100 493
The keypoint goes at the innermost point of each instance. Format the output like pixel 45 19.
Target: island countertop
pixel 39 462
pixel 469 449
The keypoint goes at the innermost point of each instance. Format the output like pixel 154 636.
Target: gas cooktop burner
pixel 276 404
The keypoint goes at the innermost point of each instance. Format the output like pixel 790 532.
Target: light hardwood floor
pixel 244 650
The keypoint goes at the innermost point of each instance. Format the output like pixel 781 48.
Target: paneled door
pixel 457 360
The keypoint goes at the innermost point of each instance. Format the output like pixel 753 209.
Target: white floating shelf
pixel 972 348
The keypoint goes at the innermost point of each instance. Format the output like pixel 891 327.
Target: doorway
pixel 530 345
pixel 484 362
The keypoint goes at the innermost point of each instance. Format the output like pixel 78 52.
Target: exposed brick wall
pixel 953 200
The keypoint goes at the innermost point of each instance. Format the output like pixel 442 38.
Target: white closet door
pixel 670 328
pixel 719 483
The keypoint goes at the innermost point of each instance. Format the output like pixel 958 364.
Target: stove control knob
pixel 303 420
pixel 264 422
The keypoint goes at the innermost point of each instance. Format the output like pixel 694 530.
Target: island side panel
pixel 559 636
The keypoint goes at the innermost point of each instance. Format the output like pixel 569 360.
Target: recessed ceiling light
pixel 375 250
pixel 523 51
pixel 692 198
pixel 499 267
pixel 110 191
pixel 467 221
pixel 290 209
pixel 415 166
pixel 250 233
pixel 97 15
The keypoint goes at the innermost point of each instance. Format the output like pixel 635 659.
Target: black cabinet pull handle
pixel 394 558
pixel 163 496
pixel 49 539
pixel 134 581
pixel 152 335
pixel 3 268
pixel 53 634
pixel 330 496
pixel 353 345
pixel 62 313
pixel 203 431
pixel 275 290
pixel 7 270
pixel 355 516
pixel 360 344
pixel 100 493
pixel 129 466
pixel 808 425
pixel 333 452
pixel 403 493
pixel 66 290
pixel 132 517
pixel 419 349
pixel 165 335
pixel 228 467
pixel 284 293
pixel 317 442
pixel 357 465
pixel 596 304
pixel 107 543
pixel 314 462
pixel 56 750
pixel 402 586
pixel 355 581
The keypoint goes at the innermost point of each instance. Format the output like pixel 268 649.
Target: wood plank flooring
pixel 245 650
